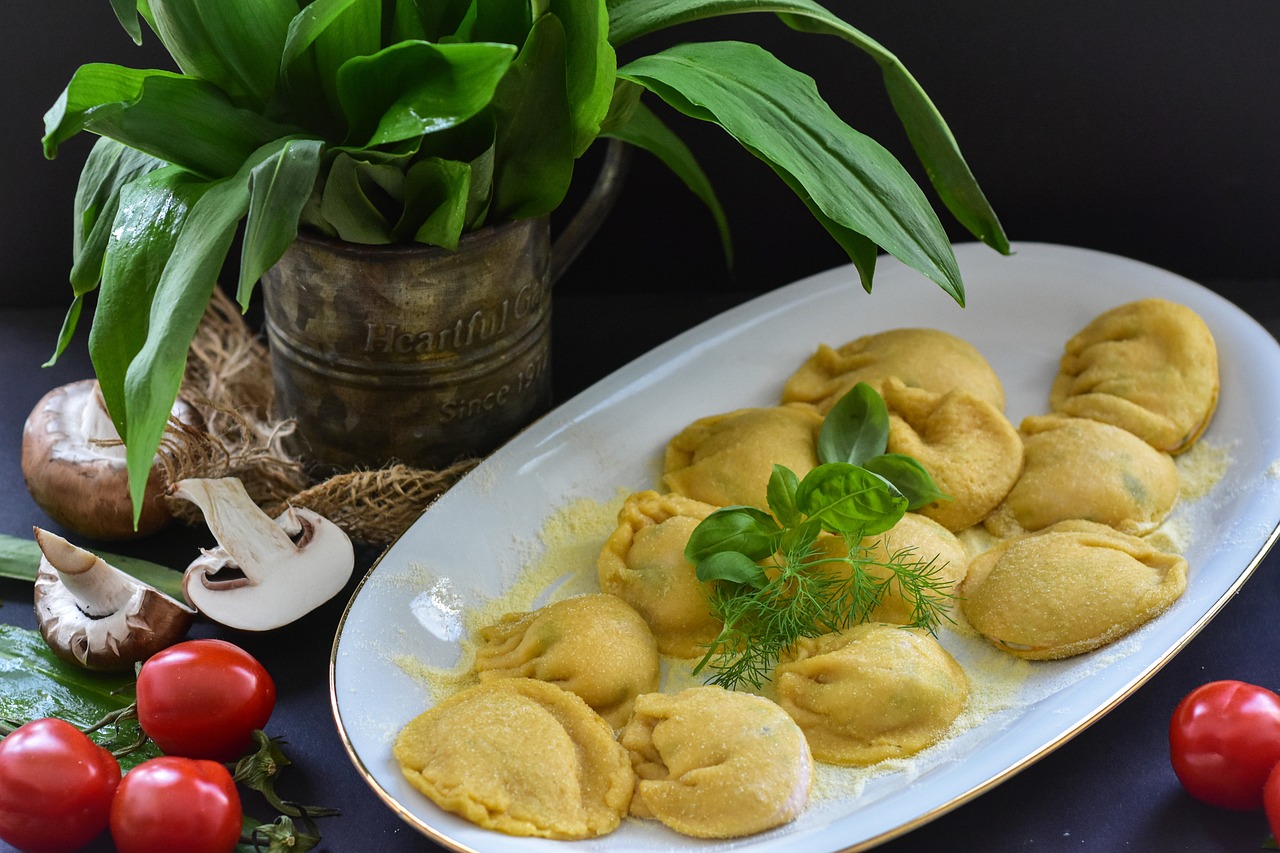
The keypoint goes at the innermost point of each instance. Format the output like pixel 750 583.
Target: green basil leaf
pixel 744 529
pixel 533 157
pixel 909 477
pixel 731 566
pixel 20 560
pixel 234 44
pixel 781 495
pixel 856 429
pixel 414 88
pixel 845 498
pixel 592 66
pixel 35 683
pixel 932 140
pixel 645 130
pixel 777 113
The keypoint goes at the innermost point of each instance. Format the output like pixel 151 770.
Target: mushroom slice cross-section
pixel 96 616
pixel 265 573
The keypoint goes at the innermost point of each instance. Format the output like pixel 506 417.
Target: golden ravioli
pixel 914 540
pixel 1150 367
pixel 1068 589
pixel 643 563
pixel 1082 468
pixel 713 763
pixel 922 358
pixel 596 646
pixel 727 459
pixel 521 757
pixel 966 444
pixel 872 692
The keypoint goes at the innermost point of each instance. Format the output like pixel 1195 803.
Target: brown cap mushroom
pixel 74 465
pixel 96 616
pixel 264 573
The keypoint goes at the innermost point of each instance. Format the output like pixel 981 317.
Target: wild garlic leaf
pixel 744 529
pixel 856 429
pixel 732 566
pixel 848 499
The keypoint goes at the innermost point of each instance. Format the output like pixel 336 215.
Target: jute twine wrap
pixel 228 379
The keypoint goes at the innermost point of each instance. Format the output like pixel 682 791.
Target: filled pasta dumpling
pixel 727 459
pixel 1082 468
pixel 534 760
pixel 966 444
pixel 921 358
pixel 713 763
pixel 1068 589
pixel 871 692
pixel 643 563
pixel 594 645
pixel 1150 367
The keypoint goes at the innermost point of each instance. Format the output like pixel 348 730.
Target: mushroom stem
pixel 234 518
pixel 94 615
pixel 98 587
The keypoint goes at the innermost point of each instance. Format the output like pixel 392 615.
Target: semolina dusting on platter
pixel 562 564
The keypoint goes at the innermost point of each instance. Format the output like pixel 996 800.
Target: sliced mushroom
pixel 264 573
pixel 74 465
pixel 94 615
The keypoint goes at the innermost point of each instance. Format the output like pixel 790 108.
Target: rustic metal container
pixel 411 353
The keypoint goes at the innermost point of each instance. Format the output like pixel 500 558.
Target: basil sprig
pixel 774 583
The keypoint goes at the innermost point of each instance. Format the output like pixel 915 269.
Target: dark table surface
pixel 1110 788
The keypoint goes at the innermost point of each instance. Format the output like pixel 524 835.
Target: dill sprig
pixel 775 583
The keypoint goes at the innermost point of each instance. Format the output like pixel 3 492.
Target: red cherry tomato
pixel 1224 740
pixel 1271 800
pixel 171 803
pixel 203 699
pixel 56 787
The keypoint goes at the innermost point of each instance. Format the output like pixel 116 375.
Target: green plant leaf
pixel 153 210
pixel 731 566
pixel 645 130
pixel 329 32
pixel 533 157
pixel 35 683
pixel 592 66
pixel 928 132
pixel 234 44
pixel 848 499
pixel 181 296
pixel 908 476
pixel 278 189
pixel 20 560
pixel 414 88
pixel 127 13
pixel 856 428
pixel 436 195
pixel 778 114
pixel 109 167
pixel 180 120
pixel 744 529
pixel 781 495
pixel 502 21
pixel 358 196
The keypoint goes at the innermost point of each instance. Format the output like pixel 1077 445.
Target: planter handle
pixel 584 224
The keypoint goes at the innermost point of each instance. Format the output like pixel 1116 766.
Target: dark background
pixel 1138 127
